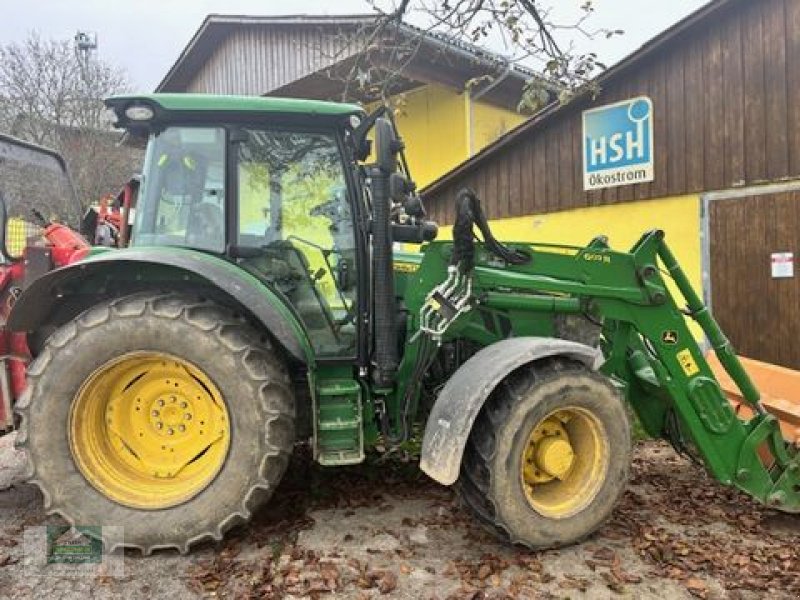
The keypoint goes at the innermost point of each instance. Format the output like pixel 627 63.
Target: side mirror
pixel 387 146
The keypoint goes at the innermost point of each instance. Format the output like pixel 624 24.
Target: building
pixel 718 96
pixel 452 98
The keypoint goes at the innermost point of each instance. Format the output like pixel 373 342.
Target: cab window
pixel 184 190
pixel 293 207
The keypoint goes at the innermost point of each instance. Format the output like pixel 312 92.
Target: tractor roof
pixel 175 106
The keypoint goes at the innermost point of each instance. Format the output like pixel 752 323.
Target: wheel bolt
pixel 155 413
pixel 170 431
pixel 160 425
pixel 173 399
pixel 181 428
pixel 188 416
pixel 184 405
pixel 161 402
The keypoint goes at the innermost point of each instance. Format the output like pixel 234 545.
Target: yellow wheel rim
pixel 149 430
pixel 564 462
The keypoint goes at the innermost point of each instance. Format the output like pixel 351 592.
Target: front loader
pixel 262 301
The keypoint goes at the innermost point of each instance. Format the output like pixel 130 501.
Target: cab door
pixel 295 218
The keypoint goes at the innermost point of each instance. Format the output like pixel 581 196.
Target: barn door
pixel 754 298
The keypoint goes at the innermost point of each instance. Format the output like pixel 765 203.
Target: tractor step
pixel 338 431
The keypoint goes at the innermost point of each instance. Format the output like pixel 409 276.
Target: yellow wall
pixel 431 123
pixel 435 124
pixel 624 224
pixel 489 122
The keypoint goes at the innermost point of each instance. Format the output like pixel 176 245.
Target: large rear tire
pixel 163 414
pixel 548 455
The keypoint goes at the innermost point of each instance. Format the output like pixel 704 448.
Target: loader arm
pixel 649 350
pixel 669 382
pixel 653 356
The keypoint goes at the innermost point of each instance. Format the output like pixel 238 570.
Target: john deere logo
pixel 69 544
pixel 669 337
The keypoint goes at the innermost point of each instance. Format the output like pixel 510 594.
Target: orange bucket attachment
pixel 779 387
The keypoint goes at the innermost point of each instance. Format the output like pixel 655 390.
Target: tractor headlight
pixel 139 112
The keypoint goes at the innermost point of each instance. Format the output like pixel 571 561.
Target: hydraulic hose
pixel 468 214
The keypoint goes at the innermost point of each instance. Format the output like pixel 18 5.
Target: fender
pixel 462 397
pixel 36 306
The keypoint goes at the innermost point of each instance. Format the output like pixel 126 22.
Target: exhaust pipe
pixel 384 337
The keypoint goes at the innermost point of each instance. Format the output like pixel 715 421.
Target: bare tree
pixel 527 31
pixel 50 97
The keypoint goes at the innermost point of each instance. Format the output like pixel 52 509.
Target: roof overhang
pixel 437 59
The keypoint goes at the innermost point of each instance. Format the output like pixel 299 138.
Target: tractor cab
pixel 272 184
pixel 269 184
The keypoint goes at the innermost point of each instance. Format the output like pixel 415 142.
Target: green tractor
pixel 263 301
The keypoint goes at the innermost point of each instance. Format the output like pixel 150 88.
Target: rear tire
pixel 493 481
pixel 225 351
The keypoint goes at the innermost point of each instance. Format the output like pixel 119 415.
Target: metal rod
pixel 530 302
pixel 722 346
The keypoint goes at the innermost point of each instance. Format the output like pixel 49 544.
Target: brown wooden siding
pixel 726 101
pixel 759 314
pixel 256 60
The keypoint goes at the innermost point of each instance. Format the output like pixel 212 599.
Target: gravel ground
pixel 385 530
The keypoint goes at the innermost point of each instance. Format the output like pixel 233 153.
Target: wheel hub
pixel 171 415
pixel 149 430
pixel 554 456
pixel 564 462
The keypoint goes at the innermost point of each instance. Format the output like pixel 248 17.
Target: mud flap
pixel 461 399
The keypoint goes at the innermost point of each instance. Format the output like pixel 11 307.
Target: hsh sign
pixel 618 144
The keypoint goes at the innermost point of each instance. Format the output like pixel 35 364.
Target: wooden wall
pixel 255 60
pixel 759 313
pixel 726 100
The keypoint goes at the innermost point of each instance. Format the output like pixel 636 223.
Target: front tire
pixel 548 455
pixel 162 414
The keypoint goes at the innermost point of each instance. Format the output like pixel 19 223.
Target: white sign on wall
pixel 618 144
pixel 782 265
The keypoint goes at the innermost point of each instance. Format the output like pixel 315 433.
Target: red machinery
pixel 39 217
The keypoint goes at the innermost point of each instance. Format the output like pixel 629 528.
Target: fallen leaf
pixel 388 582
pixel 696 587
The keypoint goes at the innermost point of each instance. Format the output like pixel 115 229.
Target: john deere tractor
pixel 263 300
